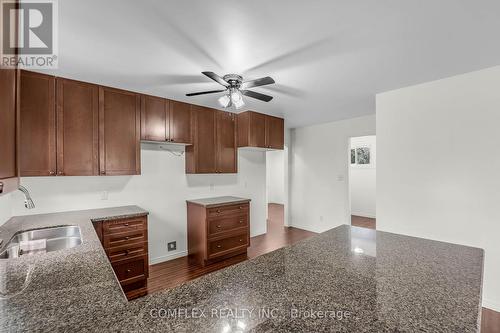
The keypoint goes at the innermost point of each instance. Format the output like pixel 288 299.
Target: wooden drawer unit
pixel 229 209
pixel 222 246
pixel 131 271
pixel 217 231
pixel 220 225
pixel 124 225
pixel 127 251
pixel 125 242
pixel 124 238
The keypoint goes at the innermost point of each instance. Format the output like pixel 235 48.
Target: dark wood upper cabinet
pixel 260 131
pixel 226 142
pixel 119 132
pixel 154 118
pixel 164 120
pixel 38 125
pixel 9 170
pixel 180 122
pixel 214 146
pixel 275 132
pixel 201 157
pixel 77 128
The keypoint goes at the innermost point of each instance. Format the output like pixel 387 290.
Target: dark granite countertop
pixel 218 201
pixel 348 279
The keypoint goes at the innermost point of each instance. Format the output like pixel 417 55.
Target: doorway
pixel 275 190
pixel 362 181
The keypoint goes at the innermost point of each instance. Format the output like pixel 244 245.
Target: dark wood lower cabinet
pixel 126 244
pixel 217 232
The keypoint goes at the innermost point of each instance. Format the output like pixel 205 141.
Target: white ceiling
pixel 329 58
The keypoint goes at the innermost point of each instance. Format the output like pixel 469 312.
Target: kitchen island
pixel 346 279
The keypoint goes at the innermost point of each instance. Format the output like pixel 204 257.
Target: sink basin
pixel 57 238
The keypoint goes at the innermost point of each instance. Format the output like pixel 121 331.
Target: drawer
pixel 131 271
pixel 219 247
pixel 228 210
pixel 118 226
pixel 127 251
pixel 226 223
pixel 123 238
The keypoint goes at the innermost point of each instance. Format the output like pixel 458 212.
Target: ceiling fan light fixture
pixel 225 100
pixel 236 96
pixel 239 103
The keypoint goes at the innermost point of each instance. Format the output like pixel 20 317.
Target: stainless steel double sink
pixel 56 238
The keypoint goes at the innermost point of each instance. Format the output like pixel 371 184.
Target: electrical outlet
pixel 172 246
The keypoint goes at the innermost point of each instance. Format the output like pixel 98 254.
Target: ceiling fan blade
pixel 256 95
pixel 205 92
pixel 256 83
pixel 216 78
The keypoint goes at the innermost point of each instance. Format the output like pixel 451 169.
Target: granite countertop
pixel 348 279
pixel 218 201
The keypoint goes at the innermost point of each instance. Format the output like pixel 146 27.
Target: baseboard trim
pixel 495 306
pixel 371 216
pixel 167 257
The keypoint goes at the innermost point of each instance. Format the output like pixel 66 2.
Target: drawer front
pixel 118 226
pixel 227 223
pixel 130 271
pixel 228 210
pixel 124 238
pixel 226 245
pixel 127 251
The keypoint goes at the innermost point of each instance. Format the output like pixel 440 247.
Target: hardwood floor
pixel 490 321
pixel 363 222
pixel 172 273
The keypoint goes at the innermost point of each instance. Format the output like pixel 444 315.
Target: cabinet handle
pixel 52 173
pixel 218 226
pixel 218 211
pixel 127 238
pixel 60 173
pixel 172 140
pixel 241 240
pixel 126 224
pixel 241 221
pixel 103 172
pixel 128 271
pixel 1 187
pixel 241 207
pixel 219 246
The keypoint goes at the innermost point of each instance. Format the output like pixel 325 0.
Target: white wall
pixel 275 176
pixel 438 171
pixel 162 189
pixel 319 192
pixel 5 208
pixel 362 179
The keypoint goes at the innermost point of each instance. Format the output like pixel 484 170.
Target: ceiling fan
pixel 235 88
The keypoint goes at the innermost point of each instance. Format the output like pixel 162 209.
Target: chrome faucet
pixel 28 202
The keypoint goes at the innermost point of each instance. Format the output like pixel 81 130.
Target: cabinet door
pixel 77 128
pixel 257 130
pixel 119 132
pixel 180 122
pixel 38 125
pixel 226 143
pixel 202 156
pixel 9 180
pixel 275 132
pixel 154 119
